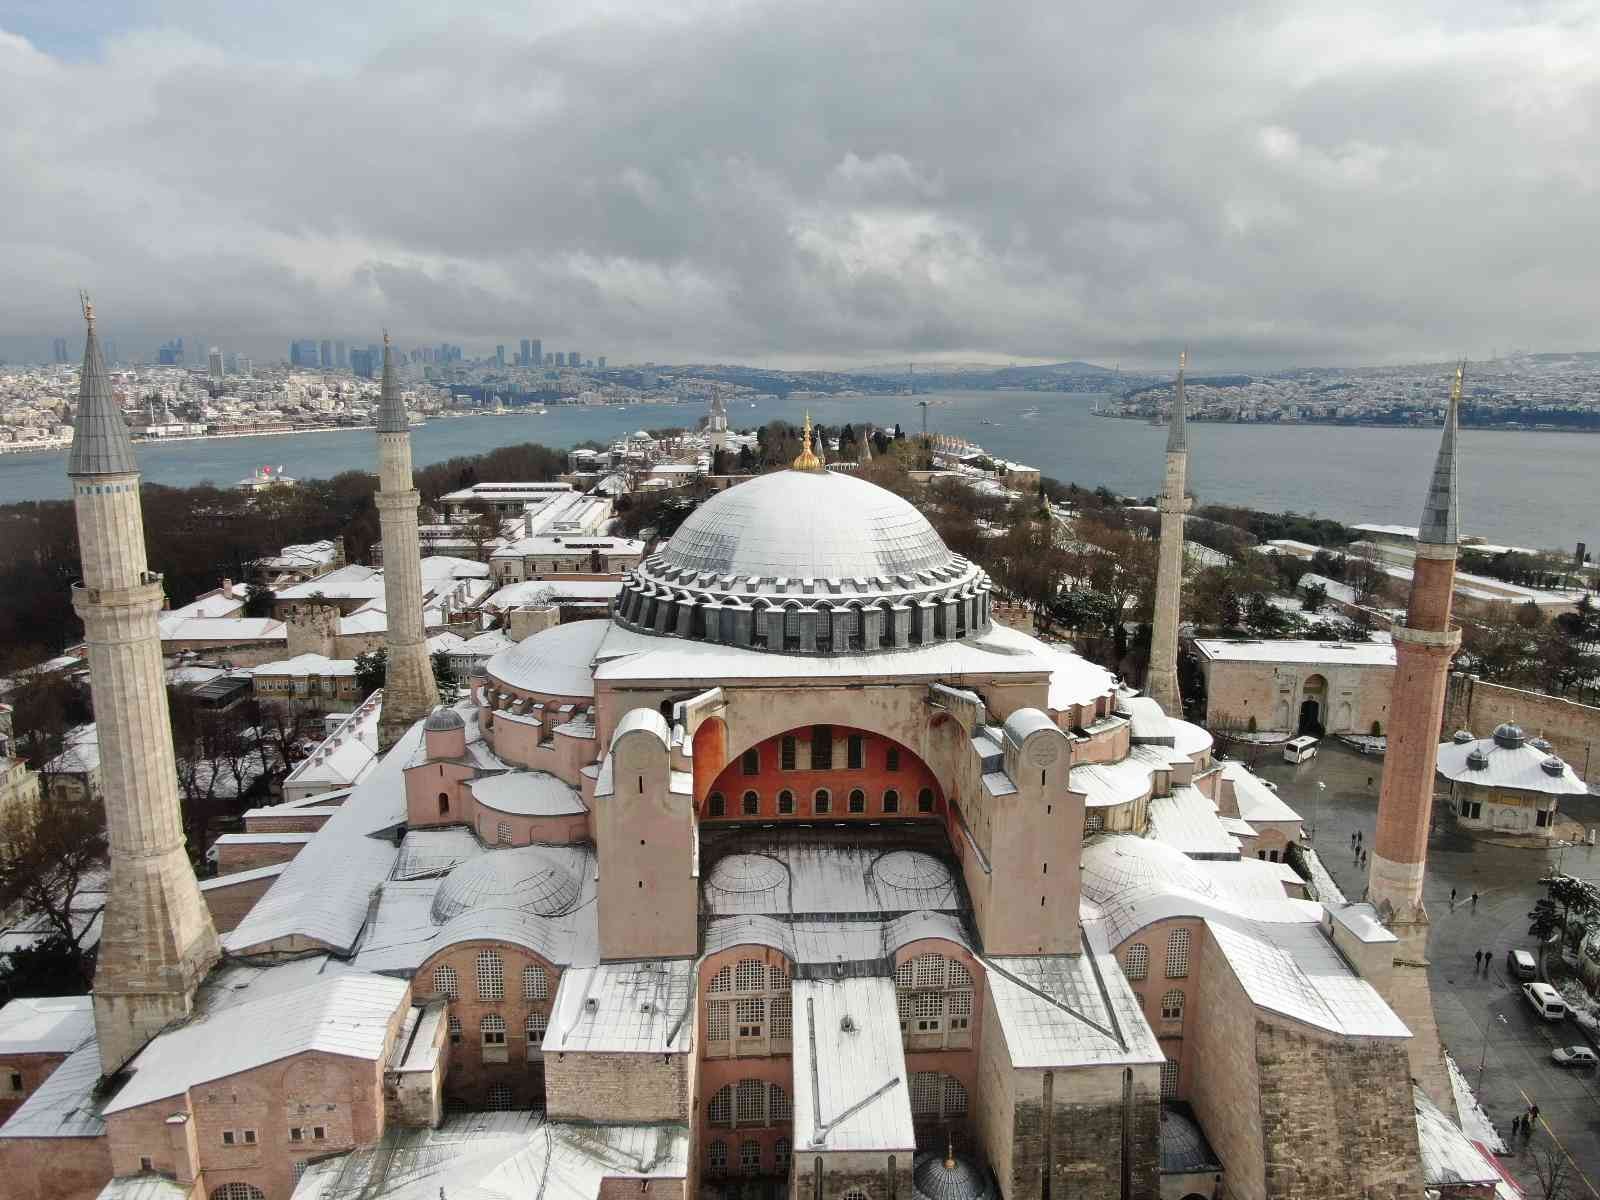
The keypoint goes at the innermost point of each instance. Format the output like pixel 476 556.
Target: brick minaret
pixel 1161 678
pixel 1423 646
pixel 157 941
pixel 409 692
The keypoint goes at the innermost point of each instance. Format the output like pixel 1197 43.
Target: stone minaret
pixel 717 424
pixel 157 941
pixel 1161 678
pixel 1423 646
pixel 409 692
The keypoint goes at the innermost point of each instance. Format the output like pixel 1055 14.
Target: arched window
pixel 717 1157
pixel 752 804
pixel 925 800
pixel 444 804
pixel 715 805
pixel 535 984
pixel 750 761
pixel 720 1110
pixel 1169 1080
pixel 538 1022
pixel 1172 1006
pixel 491 976
pixel 1178 954
pixel 455 1031
pixel 499 1098
pixel 750 1156
pixel 856 1193
pixel 786 803
pixel 822 802
pixel 780 1154
pixel 858 801
pixel 748 1009
pixel 936 1095
pixel 1136 962
pixel 238 1191
pixel 955 1097
pixel 934 995
pixel 786 752
pixel 778 1106
pixel 446 984
pixel 750 1103
pixel 891 801
pixel 493 1027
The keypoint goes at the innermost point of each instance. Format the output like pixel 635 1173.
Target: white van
pixel 1299 749
pixel 1521 964
pixel 1546 1001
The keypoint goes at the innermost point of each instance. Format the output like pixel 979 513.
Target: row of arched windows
pixel 889 803
pixel 1136 958
pixel 491 980
pixel 749 1102
pixel 934 994
pixel 748 1009
pixel 750 1157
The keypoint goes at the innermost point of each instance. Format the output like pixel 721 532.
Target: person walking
pixel 1477 961
pixel 1474 901
pixel 1485 962
pixel 1452 899
pixel 1533 1113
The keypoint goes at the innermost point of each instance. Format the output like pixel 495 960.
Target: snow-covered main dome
pixel 807 562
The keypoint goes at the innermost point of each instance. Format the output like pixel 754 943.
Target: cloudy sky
pixel 809 183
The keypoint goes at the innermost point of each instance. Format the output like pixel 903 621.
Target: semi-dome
pixel 553 662
pixel 807 562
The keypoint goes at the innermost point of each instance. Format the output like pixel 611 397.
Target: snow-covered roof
pixel 304 665
pixel 528 794
pixel 348 1014
pixel 824 941
pixel 1187 820
pixel 850 1087
pixel 347 755
pixel 814 871
pixel 234 878
pixel 347 583
pixel 557 661
pixel 1106 784
pixel 553 591
pixel 426 852
pixel 227 630
pixel 64 1105
pixel 624 1008
pixel 1449 1156
pixel 1521 767
pixel 1256 801
pixel 80 753
pixel 144 1186
pixel 45 1024
pixel 216 605
pixel 1289 650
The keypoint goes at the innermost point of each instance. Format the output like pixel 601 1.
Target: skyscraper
pixel 409 691
pixel 214 364
pixel 361 363
pixel 326 357
pixel 536 353
pixel 499 356
pixel 550 360
pixel 574 359
pixel 61 350
pixel 158 940
pixel 341 357
pixel 522 356
pixel 600 362
pixel 1161 678
pixel 303 353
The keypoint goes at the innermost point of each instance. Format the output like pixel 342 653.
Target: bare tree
pixel 51 852
pixel 1365 574
pixel 1552 1168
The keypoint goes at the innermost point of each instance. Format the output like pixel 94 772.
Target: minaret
pixel 1423 647
pixel 157 941
pixel 717 425
pixel 1161 678
pixel 409 691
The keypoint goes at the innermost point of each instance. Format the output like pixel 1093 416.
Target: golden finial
pixel 88 306
pixel 806 460
pixel 949 1152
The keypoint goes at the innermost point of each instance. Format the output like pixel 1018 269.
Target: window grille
pixel 925 800
pixel 750 1156
pixel 822 748
pixel 1093 822
pixel 752 804
pixel 238 1191
pixel 855 1194
pixel 778 1106
pixel 750 764
pixel 777 977
pixel 537 1024
pixel 750 1102
pixel 960 1009
pixel 455 1031
pixel 927 1093
pixel 786 803
pixel 858 801
pixel 855 755
pixel 955 1097
pixel 749 975
pixel 903 1004
pixel 446 983
pixel 715 805
pixel 717 1157
pixel 535 984
pixel 1178 954
pixel 903 974
pixel 503 833
pixel 491 976
pixel 821 802
pixel 493 1028
pixel 1136 964
pixel 1169 1080
pixel 1172 1006
pixel 891 759
pixel 929 971
pixel 718 1020
pixel 928 1010
pixel 891 801
pixel 722 981
pixel 499 1098
pixel 720 1110
pixel 957 976
pixel 750 1014
pixel 786 753
pixel 780 1154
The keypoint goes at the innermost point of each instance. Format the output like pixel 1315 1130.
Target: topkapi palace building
pixel 798 875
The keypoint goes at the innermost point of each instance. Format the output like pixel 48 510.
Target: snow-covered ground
pixel 1365 742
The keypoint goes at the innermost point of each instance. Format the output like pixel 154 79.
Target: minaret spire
pixel 807 459
pixel 409 690
pixel 1440 525
pixel 158 941
pixel 1161 678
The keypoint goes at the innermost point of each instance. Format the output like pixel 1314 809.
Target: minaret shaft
pixel 1161 677
pixel 157 940
pixel 409 690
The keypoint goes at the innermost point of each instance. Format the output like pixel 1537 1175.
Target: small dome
pixel 526 878
pixel 1508 736
pixel 1541 744
pixel 1461 737
pixel 557 661
pixel 742 873
pixel 935 1177
pixel 444 720
pixel 1553 766
pixel 1477 761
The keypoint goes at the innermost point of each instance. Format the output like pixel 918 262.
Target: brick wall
pixel 230 903
pixel 34 1069
pixel 1221 1049
pixel 617 1087
pixel 55 1168
pixel 1572 728
pixel 246 856
pixel 1071 1123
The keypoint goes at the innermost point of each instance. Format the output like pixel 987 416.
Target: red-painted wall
pixel 874 778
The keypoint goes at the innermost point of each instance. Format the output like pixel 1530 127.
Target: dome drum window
pixel 748 1010
pixel 749 1104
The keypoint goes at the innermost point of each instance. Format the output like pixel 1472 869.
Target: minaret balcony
pixel 148 590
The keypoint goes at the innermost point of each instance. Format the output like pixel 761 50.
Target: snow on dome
pixel 553 662
pixel 1119 864
pixel 909 879
pixel 806 525
pixel 1508 735
pixel 526 879
pixel 741 873
pixel 443 720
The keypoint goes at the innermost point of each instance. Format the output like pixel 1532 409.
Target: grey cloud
pixel 1266 182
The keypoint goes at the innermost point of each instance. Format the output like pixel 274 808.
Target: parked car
pixel 1520 964
pixel 1546 1001
pixel 1298 750
pixel 1574 1056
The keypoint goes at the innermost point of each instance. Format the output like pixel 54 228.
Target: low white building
pixel 1296 686
pixel 1506 782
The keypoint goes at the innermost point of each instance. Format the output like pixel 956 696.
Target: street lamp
pixel 1316 807
pixel 1482 1058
